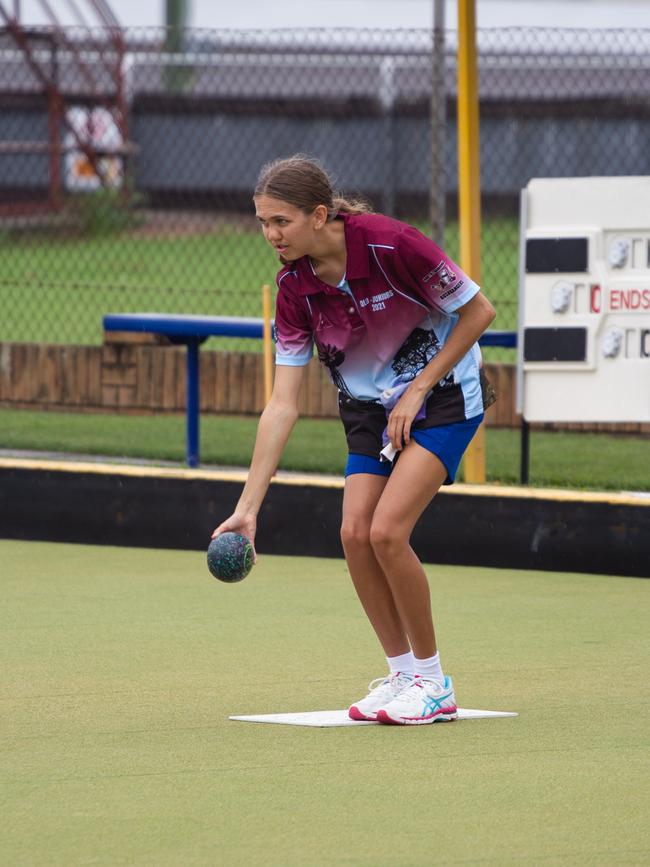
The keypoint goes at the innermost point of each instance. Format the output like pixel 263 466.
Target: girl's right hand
pixel 244 524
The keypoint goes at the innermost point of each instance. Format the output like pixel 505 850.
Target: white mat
pixel 328 718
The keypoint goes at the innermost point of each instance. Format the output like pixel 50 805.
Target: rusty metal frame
pixel 55 98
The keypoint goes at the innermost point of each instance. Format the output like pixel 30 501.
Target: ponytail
pixel 349 206
pixel 303 182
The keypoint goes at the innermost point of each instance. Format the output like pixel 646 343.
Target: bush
pixel 106 211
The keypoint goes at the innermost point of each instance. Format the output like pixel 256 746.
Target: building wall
pixel 219 153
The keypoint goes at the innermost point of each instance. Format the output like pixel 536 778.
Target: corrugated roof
pixel 514 64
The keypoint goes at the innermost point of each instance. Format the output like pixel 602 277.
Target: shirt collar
pixel 357 247
pixel 357 259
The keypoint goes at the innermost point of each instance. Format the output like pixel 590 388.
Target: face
pixel 290 231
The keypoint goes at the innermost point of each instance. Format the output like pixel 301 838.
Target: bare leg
pixel 412 485
pixel 362 492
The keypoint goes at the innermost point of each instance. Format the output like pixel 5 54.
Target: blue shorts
pixel 447 442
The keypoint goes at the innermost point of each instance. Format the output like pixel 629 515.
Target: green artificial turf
pixel 121 666
pixel 561 459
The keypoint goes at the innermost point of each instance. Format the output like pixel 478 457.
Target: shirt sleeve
pixel 294 340
pixel 436 280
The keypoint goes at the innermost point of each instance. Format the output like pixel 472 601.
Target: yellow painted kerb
pixel 623 498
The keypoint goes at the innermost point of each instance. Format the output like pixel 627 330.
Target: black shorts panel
pixel 364 423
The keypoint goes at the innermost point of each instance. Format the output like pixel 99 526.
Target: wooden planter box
pixel 134 373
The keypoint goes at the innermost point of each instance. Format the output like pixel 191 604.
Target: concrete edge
pixel 621 498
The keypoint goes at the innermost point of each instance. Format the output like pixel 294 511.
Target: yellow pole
pixel 266 332
pixel 469 187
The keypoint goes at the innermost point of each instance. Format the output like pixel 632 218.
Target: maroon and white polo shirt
pixel 389 317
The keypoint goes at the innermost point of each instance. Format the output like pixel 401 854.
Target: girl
pixel 396 323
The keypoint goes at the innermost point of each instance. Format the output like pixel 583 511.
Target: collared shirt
pixel 390 317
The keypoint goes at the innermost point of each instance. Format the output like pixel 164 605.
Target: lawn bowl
pixel 230 557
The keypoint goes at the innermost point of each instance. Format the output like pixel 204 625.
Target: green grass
pixel 121 667
pixel 562 459
pixel 56 289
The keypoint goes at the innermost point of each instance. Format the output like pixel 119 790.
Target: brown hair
pixel 303 182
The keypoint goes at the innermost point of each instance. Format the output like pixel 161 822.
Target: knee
pixel 355 534
pixel 385 538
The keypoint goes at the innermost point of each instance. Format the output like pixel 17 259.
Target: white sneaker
pixel 423 701
pixel 381 692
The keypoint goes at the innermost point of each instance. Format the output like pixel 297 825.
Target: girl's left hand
pixel 402 415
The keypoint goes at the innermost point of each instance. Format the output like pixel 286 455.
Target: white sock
pixel 429 668
pixel 403 663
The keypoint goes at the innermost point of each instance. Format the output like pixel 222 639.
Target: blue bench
pixel 194 330
pixel 191 331
pixel 507 339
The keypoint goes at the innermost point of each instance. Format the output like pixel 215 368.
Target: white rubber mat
pixel 329 718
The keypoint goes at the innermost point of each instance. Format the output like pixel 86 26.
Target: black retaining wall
pixel 162 511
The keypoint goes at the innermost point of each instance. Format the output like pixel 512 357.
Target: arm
pixel 275 426
pixel 473 318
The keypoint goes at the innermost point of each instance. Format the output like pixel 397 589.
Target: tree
pixel 333 357
pixel 415 353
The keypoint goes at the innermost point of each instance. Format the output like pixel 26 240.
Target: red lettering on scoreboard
pixel 629 299
pixel 594 299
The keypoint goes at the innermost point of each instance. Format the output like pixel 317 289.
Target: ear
pixel 320 216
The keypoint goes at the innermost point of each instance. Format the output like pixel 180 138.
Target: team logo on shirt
pixel 441 277
pixel 323 322
pixel 452 290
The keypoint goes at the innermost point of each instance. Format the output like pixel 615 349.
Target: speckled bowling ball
pixel 230 557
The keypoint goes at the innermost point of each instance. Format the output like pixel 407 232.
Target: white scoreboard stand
pixel 584 301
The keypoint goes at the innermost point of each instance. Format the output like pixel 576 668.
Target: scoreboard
pixel 584 300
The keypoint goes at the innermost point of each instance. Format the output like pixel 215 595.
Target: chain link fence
pixel 127 159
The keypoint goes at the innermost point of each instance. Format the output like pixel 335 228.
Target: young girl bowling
pixel 396 323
